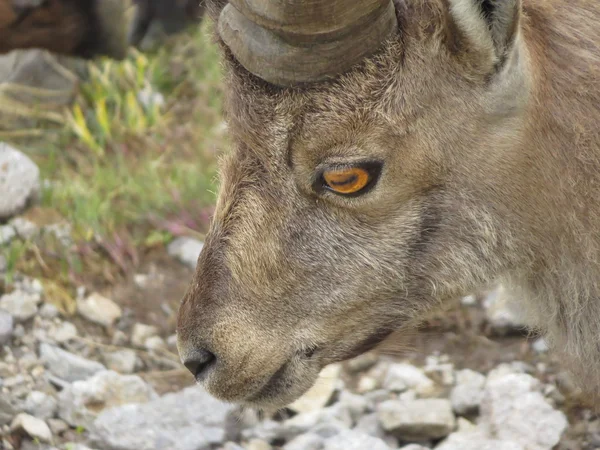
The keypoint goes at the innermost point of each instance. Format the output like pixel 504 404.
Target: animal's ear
pixel 489 28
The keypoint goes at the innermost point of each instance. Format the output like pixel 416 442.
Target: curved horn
pixel 286 42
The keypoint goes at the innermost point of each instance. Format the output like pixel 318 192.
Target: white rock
pixel 82 401
pixel 258 444
pixel 155 343
pixel 516 411
pixel 19 180
pixel 25 229
pixel 354 440
pixel 64 332
pixel 41 405
pixel 6 327
pixel 32 426
pixel 540 345
pixel 122 361
pixel 141 333
pixel 187 250
pixel 318 396
pixel 471 441
pixel 7 234
pixel 414 447
pixel 370 425
pixel 503 312
pixel 307 441
pixel 48 311
pixel 401 376
pixel 21 305
pixel 67 366
pixel 468 392
pixel 99 309
pixel 417 420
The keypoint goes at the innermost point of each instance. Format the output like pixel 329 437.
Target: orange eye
pixel 348 180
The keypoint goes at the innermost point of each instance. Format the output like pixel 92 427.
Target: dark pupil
pixel 348 180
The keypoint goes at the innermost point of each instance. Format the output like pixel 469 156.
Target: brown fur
pixel 71 27
pixel 491 147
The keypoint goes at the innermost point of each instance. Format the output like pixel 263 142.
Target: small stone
pixel 370 425
pixel 155 343
pixel 41 405
pixel 516 411
pixel 258 444
pixel 48 311
pixel 268 430
pixel 320 394
pixel 122 361
pixel 307 441
pixel 540 345
pixel 355 404
pixel 119 338
pixel 82 401
pixel 187 250
pixel 354 440
pixel 21 305
pixel 401 377
pixel 68 366
pixel 99 309
pixel 19 180
pixel 503 313
pixel 25 229
pixel 469 300
pixel 33 427
pixel 64 332
pixel 7 411
pixel 418 419
pixel 232 446
pixel 7 234
pixel 172 342
pixel 57 426
pixel 141 333
pixel 468 392
pixel 6 327
pixel 367 384
pixel 186 420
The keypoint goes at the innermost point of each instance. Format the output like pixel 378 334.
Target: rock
pixel 19 180
pixel 141 333
pixel 503 313
pixel 466 395
pixel 258 444
pixel 269 430
pixel 516 411
pixel 7 233
pixel 155 343
pixel 24 228
pixel 188 420
pixel 68 366
pixel 99 309
pixel 82 401
pixel 232 446
pixel 57 426
pixel 401 377
pixel 187 250
pixel 48 311
pixel 64 332
pixel 21 305
pixel 354 440
pixel 31 426
pixel 321 421
pixel 41 405
pixel 355 404
pixel 417 419
pixel 540 345
pixel 7 411
pixel 320 394
pixel 307 441
pixel 370 425
pixel 474 441
pixel 414 447
pixel 6 327
pixel 122 361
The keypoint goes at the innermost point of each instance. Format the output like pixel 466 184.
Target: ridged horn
pixel 288 42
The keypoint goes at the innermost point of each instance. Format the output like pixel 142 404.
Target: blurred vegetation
pixel 133 164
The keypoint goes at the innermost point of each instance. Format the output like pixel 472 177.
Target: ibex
pixel 88 28
pixel 388 158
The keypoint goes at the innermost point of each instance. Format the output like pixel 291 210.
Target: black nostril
pixel 198 361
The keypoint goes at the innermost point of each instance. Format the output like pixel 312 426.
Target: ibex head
pixel 365 131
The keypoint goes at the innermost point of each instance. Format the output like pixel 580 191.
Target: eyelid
pixel 373 167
